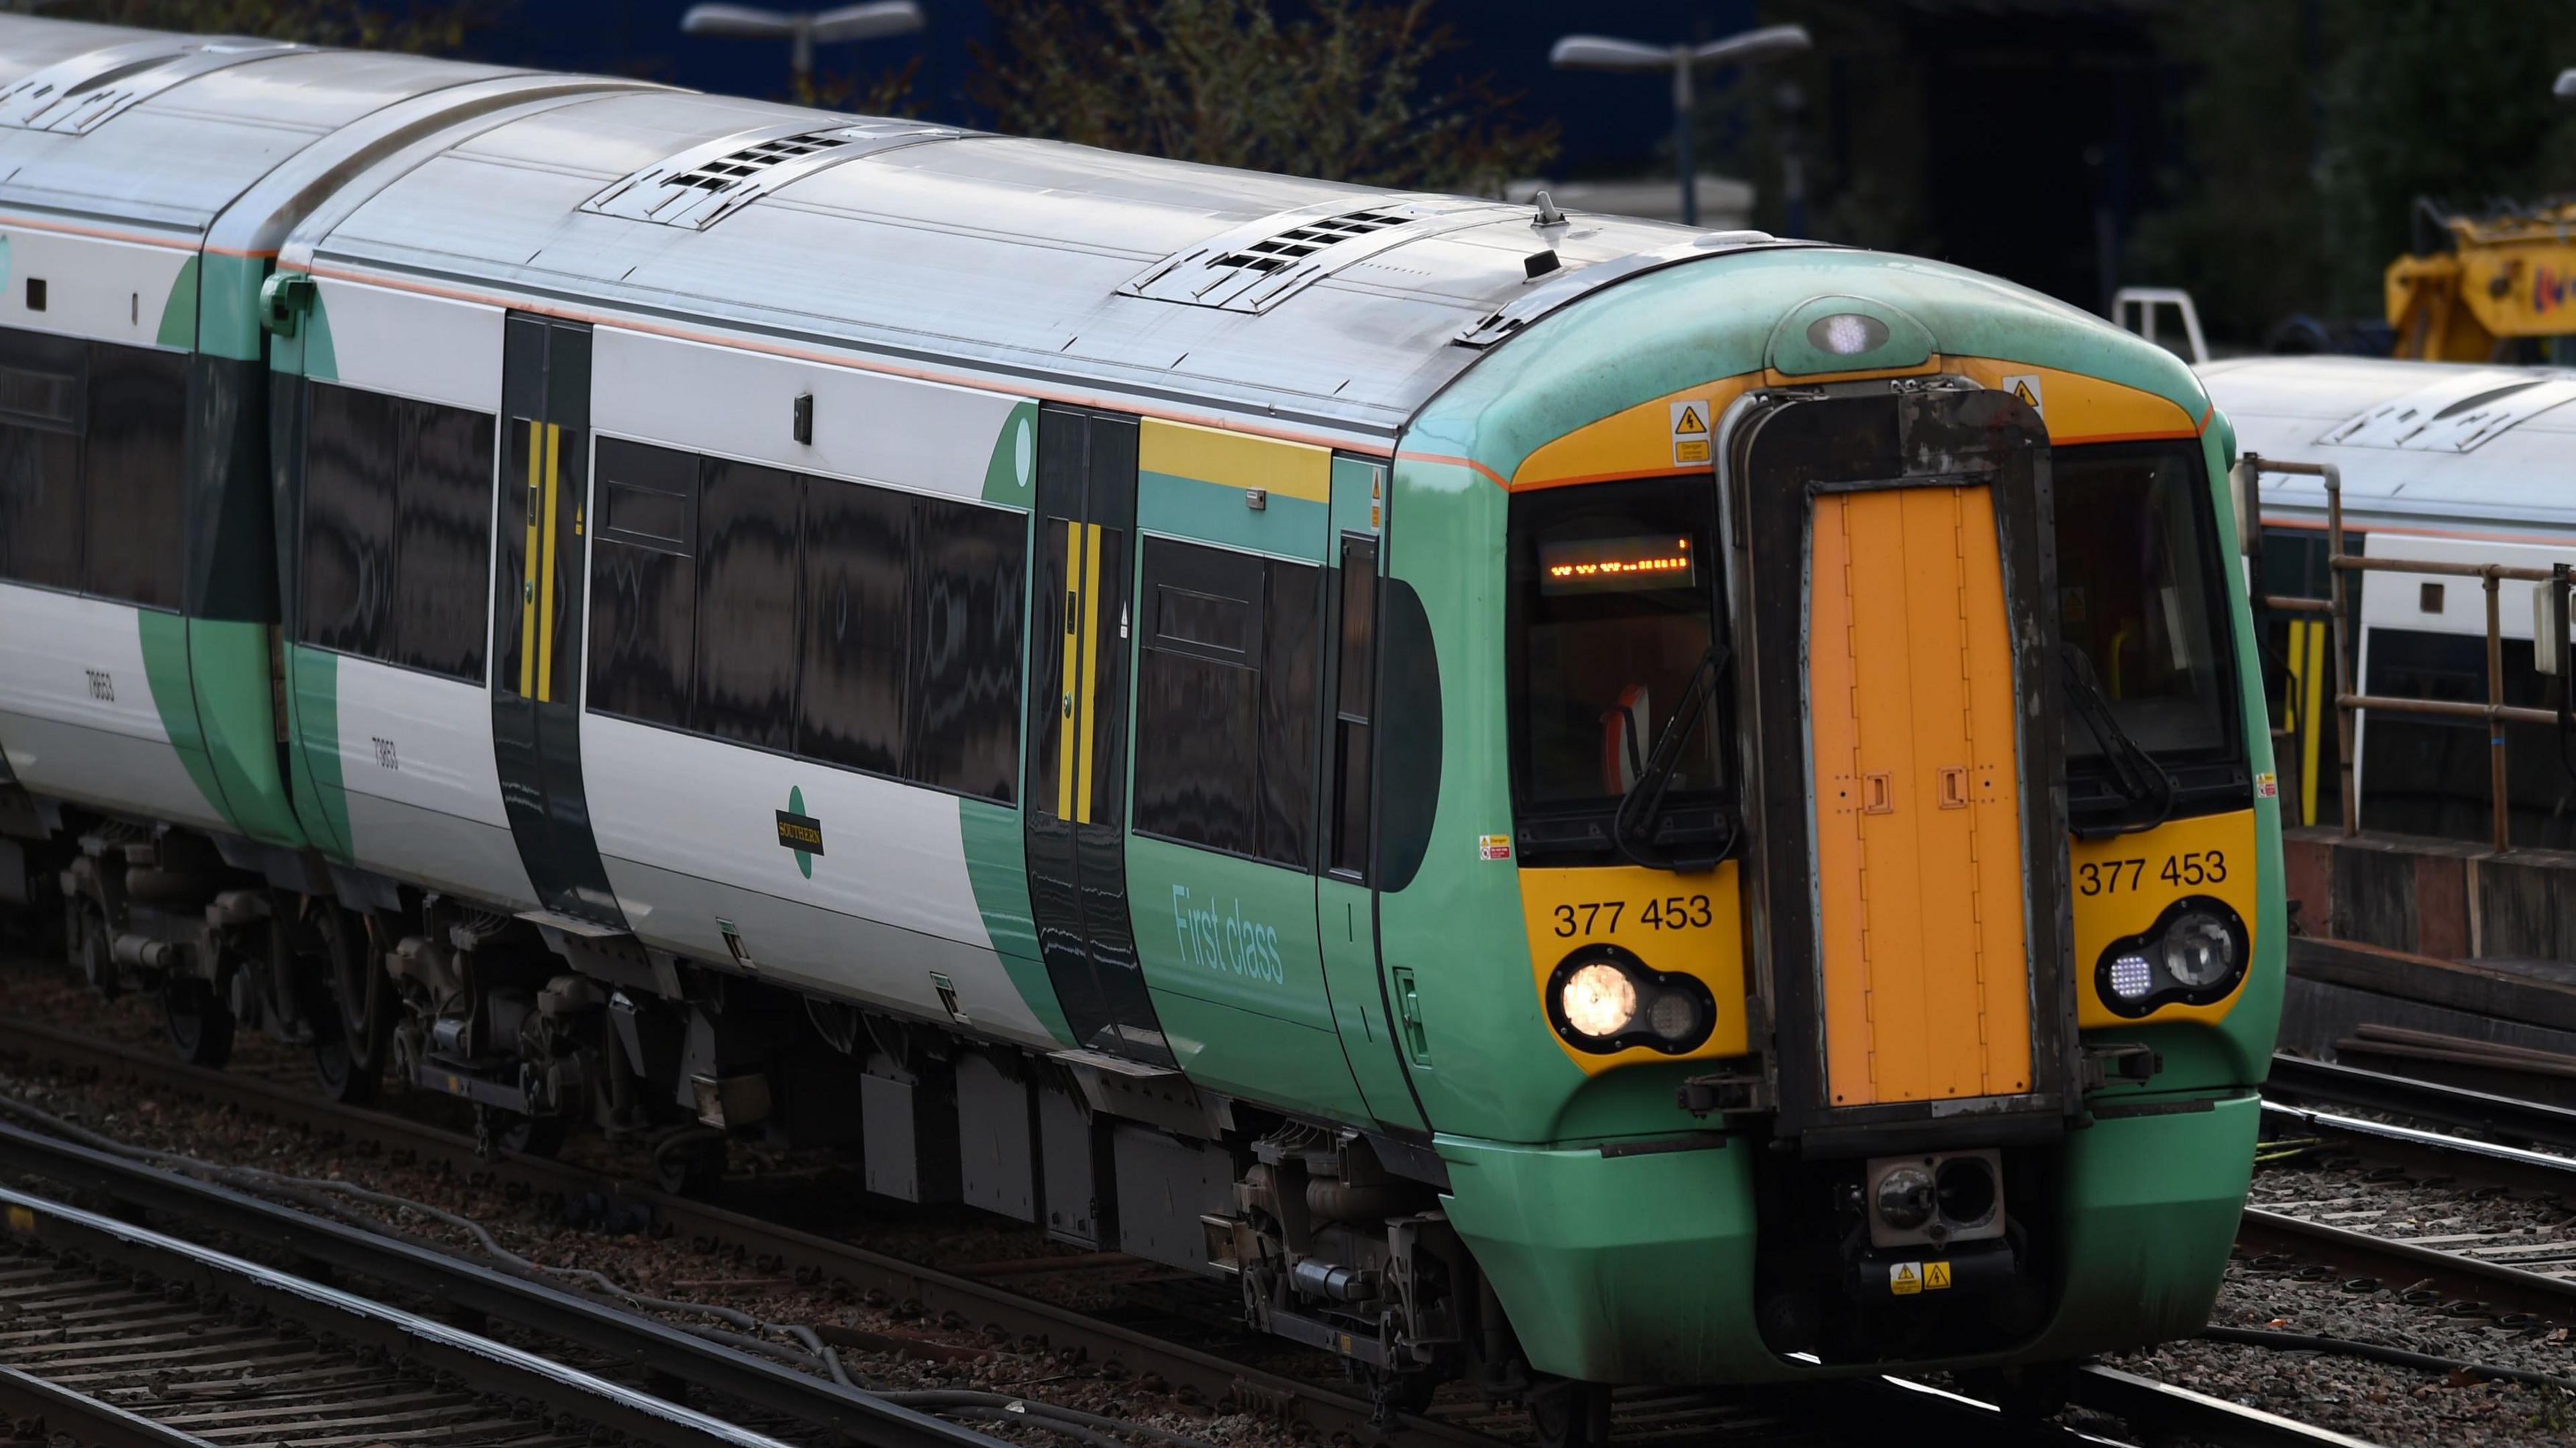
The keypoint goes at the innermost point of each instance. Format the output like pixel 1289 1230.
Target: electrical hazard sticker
pixel 2024 386
pixel 1906 1279
pixel 1690 431
pixel 1493 847
pixel 2267 785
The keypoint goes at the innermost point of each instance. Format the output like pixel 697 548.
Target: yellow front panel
pixel 1926 983
pixel 2123 883
pixel 1688 924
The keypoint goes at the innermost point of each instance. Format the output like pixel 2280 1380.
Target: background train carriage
pixel 2440 462
pixel 1023 657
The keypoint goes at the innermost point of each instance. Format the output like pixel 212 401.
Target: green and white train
pixel 1566 800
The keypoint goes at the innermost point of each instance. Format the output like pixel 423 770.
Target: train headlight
pixel 2198 950
pixel 1598 1000
pixel 2194 954
pixel 1847 334
pixel 1603 999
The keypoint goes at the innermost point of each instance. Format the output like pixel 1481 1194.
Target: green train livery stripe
pixel 1216 513
pixel 229 665
pixel 164 638
pixel 228 307
pixel 1011 474
pixel 314 704
pixel 997 869
pixel 179 313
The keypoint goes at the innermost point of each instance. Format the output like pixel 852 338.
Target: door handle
pixel 1408 1009
pixel 1878 793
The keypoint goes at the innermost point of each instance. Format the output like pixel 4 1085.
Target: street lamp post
pixel 805 29
pixel 1598 52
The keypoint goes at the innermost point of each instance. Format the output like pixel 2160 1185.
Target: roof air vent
pixel 78 95
pixel 707 183
pixel 1257 266
pixel 2458 411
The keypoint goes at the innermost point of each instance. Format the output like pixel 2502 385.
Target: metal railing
pixel 2337 606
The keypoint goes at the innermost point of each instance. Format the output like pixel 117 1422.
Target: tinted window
pixel 442 538
pixel 746 673
pixel 40 458
pixel 1225 702
pixel 352 444
pixel 967 593
pixel 136 475
pixel 857 586
pixel 643 588
pixel 1353 689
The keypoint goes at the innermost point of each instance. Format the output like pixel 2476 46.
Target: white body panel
pixel 921 436
pixel 409 345
pixel 77 715
pixel 112 291
pixel 424 793
pixel 688 829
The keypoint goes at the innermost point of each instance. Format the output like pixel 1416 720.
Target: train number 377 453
pixel 2188 870
pixel 1600 917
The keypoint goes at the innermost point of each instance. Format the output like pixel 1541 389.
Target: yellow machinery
pixel 2505 278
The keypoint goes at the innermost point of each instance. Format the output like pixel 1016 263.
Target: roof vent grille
pixel 1259 265
pixel 707 183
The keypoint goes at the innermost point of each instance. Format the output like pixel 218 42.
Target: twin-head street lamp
pixel 1596 52
pixel 806 29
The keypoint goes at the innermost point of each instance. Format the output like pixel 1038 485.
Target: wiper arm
pixel 1635 817
pixel 2134 771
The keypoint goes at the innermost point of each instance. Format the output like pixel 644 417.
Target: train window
pixel 442 539
pixel 134 475
pixel 41 396
pixel 2140 594
pixel 858 629
pixel 1611 615
pixel 351 467
pixel 967 603
pixel 1353 690
pixel 1225 702
pixel 643 585
pixel 745 680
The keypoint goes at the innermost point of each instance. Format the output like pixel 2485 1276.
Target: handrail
pixel 2337 606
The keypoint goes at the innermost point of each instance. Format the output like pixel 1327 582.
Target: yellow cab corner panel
pixel 2081 409
pixel 1235 460
pixel 1681 924
pixel 2121 884
pixel 1652 437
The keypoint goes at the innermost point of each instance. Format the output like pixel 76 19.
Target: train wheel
pixel 199 1022
pixel 351 1029
pixel 689 1163
pixel 95 958
pixel 1570 1414
pixel 532 1135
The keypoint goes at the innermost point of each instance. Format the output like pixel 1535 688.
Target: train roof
pixel 165 131
pixel 2424 444
pixel 1312 302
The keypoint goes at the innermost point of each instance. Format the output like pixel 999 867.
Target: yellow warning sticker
pixel 1690 432
pixel 1906 1278
pixel 21 1220
pixel 2024 386
pixel 1936 1275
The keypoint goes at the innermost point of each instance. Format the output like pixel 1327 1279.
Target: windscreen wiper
pixel 2134 771
pixel 1634 821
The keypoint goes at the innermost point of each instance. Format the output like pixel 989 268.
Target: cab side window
pixel 1225 702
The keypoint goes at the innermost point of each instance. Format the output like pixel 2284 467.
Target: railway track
pixel 115 1335
pixel 1844 1411
pixel 2392 1223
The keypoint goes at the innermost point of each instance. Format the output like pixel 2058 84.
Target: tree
pixel 436 28
pixel 1335 92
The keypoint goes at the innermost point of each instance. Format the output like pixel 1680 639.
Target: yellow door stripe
pixel 1233 460
pixel 1073 588
pixel 527 573
pixel 2312 722
pixel 546 579
pixel 1090 659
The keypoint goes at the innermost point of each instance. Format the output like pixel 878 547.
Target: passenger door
pixel 1374 1032
pixel 537 619
pixel 1076 815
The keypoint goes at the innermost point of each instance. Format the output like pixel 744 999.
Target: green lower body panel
pixel 228 665
pixel 1639 1269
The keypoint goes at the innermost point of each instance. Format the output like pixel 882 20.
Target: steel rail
pixel 629 1339
pixel 2489 1282
pixel 92 1423
pixel 2541 1167
pixel 939 1293
pixel 2505 1116
pixel 481 1363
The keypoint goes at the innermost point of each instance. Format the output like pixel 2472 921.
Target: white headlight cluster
pixel 2193 954
pixel 1605 999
